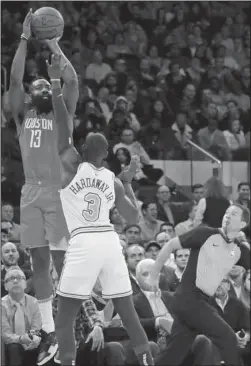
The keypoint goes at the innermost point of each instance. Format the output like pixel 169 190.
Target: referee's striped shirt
pixel 211 259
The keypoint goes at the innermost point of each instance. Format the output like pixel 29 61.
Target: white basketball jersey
pixel 87 200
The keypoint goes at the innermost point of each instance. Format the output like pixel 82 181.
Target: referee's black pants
pixel 194 315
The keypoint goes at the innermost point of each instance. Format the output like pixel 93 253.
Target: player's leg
pixel 67 311
pixel 58 254
pixel 56 232
pixel 33 236
pixel 82 264
pixel 116 284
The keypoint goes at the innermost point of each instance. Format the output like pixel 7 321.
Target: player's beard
pixel 41 104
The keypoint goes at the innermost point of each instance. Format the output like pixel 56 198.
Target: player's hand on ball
pixel 97 338
pixel 54 70
pixel 27 24
pixel 129 172
pixel 53 43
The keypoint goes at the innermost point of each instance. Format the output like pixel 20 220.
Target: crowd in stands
pixel 151 75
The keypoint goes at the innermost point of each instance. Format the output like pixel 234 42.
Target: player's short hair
pixel 245 212
pixel 131 226
pixel 241 184
pixel 96 145
pixel 196 186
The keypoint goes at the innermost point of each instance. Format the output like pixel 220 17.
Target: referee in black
pixel 213 254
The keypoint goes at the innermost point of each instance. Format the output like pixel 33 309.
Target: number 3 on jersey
pixel 35 138
pixel 91 213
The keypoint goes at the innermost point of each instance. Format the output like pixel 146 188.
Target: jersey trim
pixel 91 229
pixel 94 167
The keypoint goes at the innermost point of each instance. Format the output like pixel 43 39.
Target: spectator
pixel 10 257
pixel 14 229
pixel 4 236
pixel 151 137
pixel 146 174
pixel 234 313
pixel 188 224
pixel 176 80
pixel 168 227
pixel 174 274
pixel 236 280
pixel 245 290
pixel 217 93
pixel 97 70
pixel 244 199
pixel 197 192
pixel 102 100
pixel 93 121
pixel 21 321
pixel 235 136
pixel 117 124
pixel 117 220
pixel 120 160
pixel 244 194
pixel 215 196
pixel 149 224
pixel 233 113
pixel 145 75
pixel 154 310
pixel 195 71
pixel 162 238
pixel 133 255
pixel 212 140
pixel 182 132
pixel 153 57
pixel 123 104
pixel 152 249
pixel 133 233
pixel 118 48
pixel 191 48
pixel 166 211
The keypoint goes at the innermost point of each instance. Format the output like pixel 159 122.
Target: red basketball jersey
pixel 39 148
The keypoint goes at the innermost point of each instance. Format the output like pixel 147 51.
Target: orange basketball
pixel 47 23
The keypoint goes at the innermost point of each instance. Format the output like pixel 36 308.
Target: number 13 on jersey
pixel 35 138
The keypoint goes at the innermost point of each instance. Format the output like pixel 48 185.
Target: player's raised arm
pixel 16 91
pixel 69 76
pixel 70 158
pixel 126 202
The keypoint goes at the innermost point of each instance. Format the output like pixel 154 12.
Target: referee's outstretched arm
pixel 164 254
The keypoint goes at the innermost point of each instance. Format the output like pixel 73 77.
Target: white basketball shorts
pixel 92 256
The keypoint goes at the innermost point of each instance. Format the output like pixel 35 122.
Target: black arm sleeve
pixel 194 239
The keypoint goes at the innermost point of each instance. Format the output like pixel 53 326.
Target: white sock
pixel 45 308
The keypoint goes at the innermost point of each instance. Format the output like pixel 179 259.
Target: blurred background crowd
pixel 152 75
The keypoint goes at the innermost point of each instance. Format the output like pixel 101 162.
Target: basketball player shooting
pixel 42 220
pixel 87 193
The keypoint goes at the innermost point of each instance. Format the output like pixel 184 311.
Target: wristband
pixel 23 36
pixel 55 80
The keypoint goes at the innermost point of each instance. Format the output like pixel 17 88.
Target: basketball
pixel 47 23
